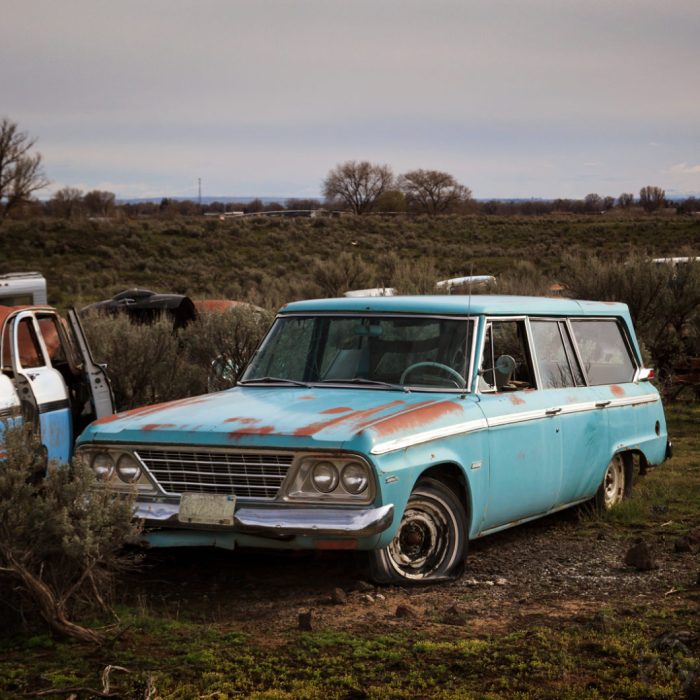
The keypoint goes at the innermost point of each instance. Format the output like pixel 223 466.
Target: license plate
pixel 207 509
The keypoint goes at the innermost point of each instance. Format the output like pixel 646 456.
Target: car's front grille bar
pixel 246 474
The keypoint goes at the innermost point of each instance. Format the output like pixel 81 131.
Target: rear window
pixel 604 351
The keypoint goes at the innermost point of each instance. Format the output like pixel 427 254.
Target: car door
pixel 525 446
pixel 40 387
pixel 582 421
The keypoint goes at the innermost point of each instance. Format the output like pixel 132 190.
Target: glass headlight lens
pixel 355 478
pixel 324 477
pixel 128 469
pixel 102 465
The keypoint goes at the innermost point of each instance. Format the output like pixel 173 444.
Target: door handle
pixel 602 404
pixel 552 411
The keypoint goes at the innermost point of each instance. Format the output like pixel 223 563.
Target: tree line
pixel 359 187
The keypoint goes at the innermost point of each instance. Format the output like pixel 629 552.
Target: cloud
pixel 684 169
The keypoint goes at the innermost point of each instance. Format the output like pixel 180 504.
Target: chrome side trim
pixel 332 522
pixel 509 419
pixel 411 440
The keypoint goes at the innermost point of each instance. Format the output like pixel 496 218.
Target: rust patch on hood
pixel 243 421
pixel 306 398
pixel 617 390
pixel 415 417
pixel 339 409
pixel 246 431
pixel 147 410
pixel 354 416
pixel 157 426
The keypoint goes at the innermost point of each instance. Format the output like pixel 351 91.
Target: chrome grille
pixel 245 474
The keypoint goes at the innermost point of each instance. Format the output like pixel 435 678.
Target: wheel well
pixel 452 475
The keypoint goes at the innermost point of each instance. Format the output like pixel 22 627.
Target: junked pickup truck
pixel 402 426
pixel 48 378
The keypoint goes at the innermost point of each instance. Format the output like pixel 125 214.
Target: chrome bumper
pixel 276 521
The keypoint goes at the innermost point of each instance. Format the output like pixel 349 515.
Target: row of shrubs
pixel 152 363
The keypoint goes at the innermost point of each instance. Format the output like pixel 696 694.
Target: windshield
pixel 389 351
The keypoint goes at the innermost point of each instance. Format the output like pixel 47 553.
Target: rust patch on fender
pixel 415 417
pixel 356 416
pixel 516 400
pixel 617 390
pixel 339 409
pixel 157 426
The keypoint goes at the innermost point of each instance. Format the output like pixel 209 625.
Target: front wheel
pixel 431 542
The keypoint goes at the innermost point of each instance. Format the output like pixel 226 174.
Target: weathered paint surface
pixel 274 416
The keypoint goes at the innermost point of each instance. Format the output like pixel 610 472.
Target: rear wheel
pixel 616 484
pixel 431 541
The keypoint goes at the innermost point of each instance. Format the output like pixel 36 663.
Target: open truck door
pixel 94 375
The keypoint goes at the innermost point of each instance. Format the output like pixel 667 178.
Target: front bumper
pixel 274 521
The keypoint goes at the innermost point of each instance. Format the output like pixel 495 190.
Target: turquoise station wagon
pixel 401 426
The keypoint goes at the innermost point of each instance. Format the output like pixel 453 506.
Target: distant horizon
pixel 673 197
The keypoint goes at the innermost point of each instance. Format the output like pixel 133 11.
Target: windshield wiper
pixel 363 380
pixel 274 380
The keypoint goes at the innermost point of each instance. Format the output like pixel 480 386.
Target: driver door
pixel 41 388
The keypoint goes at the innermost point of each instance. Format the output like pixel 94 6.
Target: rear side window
pixel 555 359
pixel 604 352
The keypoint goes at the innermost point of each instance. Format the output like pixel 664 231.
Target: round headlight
pixel 355 478
pixel 128 469
pixel 103 465
pixel 324 477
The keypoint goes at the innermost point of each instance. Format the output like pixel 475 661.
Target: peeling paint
pixel 516 400
pixel 356 416
pixel 339 409
pixel 157 426
pixel 414 417
pixel 148 410
pixel 617 390
pixel 243 432
pixel 244 421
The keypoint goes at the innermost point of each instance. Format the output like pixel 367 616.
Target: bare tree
pixel 433 191
pixel 652 198
pixel 99 202
pixel 625 200
pixel 67 202
pixel 358 185
pixel 20 171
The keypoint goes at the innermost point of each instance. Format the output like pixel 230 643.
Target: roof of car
pixel 463 305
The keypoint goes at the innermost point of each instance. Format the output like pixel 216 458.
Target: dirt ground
pixel 542 573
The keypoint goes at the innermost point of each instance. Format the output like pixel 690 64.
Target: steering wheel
pixel 456 377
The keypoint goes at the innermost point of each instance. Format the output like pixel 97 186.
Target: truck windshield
pixel 381 351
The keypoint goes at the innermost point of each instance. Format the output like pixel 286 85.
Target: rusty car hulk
pixel 400 426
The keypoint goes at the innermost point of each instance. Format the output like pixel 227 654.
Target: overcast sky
pixel 516 98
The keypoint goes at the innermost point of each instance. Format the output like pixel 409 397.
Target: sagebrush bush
pixel 151 363
pixel 61 540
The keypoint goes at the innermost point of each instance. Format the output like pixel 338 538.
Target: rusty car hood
pixel 284 417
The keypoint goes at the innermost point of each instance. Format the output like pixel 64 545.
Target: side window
pixel 603 351
pixel 48 326
pixel 506 364
pixel 555 358
pixel 29 349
